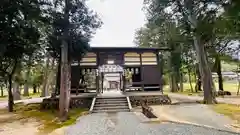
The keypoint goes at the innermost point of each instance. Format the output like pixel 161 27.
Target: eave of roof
pixel 127 49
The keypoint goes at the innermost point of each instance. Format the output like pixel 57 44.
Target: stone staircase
pixel 110 104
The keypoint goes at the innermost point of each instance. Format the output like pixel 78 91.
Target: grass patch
pixel 233 111
pixel 48 118
pixel 185 92
pixel 3 98
pixel 228 86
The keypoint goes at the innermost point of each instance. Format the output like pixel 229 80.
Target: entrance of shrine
pixel 110 78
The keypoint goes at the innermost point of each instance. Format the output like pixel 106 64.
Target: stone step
pixel 110 107
pixel 111 111
pixel 110 104
pixel 110 97
pixel 105 99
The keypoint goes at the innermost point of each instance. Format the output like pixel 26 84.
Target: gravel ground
pixel 127 123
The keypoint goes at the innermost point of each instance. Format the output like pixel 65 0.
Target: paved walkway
pixel 186 98
pixel 25 101
pixel 127 123
pixel 198 114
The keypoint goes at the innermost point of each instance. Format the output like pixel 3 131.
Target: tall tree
pixel 19 36
pixel 165 32
pixel 72 27
pixel 199 16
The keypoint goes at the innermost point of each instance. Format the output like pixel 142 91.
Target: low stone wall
pixel 147 111
pixel 150 100
pixel 75 102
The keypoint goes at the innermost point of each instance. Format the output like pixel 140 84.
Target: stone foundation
pixel 75 102
pixel 150 100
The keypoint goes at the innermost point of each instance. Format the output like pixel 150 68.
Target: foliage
pixel 202 29
pixel 19 35
pixel 233 111
pixel 82 25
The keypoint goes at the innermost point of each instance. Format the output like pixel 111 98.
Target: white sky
pixel 120 20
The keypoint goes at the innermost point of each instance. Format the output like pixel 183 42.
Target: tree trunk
pixel 219 72
pixel 2 91
pixel 16 91
pixel 63 103
pixel 69 76
pixel 57 86
pixel 238 83
pixel 10 94
pixel 195 76
pixel 191 18
pixel 189 78
pixel 209 94
pixel 172 76
pixel 238 87
pixel 26 89
pixel 27 76
pixel 38 89
pixel 198 85
pixel 26 83
pixel 51 77
pixel 45 81
pixel 181 81
pixel 34 89
pixel 173 83
pixel 64 92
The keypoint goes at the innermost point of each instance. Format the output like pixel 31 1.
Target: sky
pixel 120 20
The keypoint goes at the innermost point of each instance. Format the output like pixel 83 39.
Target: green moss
pixel 228 86
pixel 48 118
pixel 185 92
pixel 233 111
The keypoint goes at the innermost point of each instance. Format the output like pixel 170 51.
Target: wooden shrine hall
pixel 138 69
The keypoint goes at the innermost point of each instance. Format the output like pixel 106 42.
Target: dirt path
pixel 4 104
pixel 198 114
pixel 12 124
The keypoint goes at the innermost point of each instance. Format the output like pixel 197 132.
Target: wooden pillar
pixel 120 81
pixel 160 67
pixel 97 81
pixel 141 69
pixel 97 74
pixel 102 80
pixel 124 81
